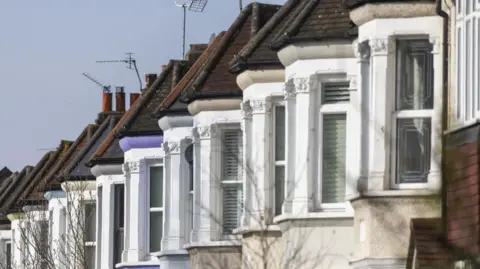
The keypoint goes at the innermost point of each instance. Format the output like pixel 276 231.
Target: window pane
pixel 90 256
pixel 414 75
pixel 9 255
pixel 156 230
pixel 90 221
pixel 413 150
pixel 279 189
pixel 232 154
pixel 459 73
pixel 156 186
pixel 119 205
pixel 333 165
pixel 280 133
pixel 118 246
pixel 232 206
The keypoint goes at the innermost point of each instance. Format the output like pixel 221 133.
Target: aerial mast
pixel 192 5
pixel 131 64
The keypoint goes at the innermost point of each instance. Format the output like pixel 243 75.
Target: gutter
pixel 444 15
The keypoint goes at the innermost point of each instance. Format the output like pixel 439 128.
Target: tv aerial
pixel 105 88
pixel 192 5
pixel 131 64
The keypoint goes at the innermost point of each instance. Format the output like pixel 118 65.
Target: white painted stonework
pixel 57 203
pixel 5 238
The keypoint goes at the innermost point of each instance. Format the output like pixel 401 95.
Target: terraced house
pixel 314 134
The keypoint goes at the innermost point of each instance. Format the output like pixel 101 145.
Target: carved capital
pixel 204 131
pixel 436 43
pixel 171 147
pixel 289 90
pixel 131 167
pixel 246 109
pixel 260 106
pixel 379 46
pixel 362 51
pixel 305 85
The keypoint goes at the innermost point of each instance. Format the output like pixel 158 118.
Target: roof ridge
pixel 178 89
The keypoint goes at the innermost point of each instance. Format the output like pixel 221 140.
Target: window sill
pixel 463 125
pixel 162 253
pixel 269 228
pixel 131 264
pixel 393 193
pixel 221 243
pixel 314 215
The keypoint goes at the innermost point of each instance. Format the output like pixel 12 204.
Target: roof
pixel 4 221
pixel 357 3
pixel 214 79
pixel 171 102
pixel 139 119
pixel 104 146
pixel 11 192
pixel 5 173
pixel 314 20
pixel 33 192
pixel 427 245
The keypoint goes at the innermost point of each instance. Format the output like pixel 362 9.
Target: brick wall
pixel 463 185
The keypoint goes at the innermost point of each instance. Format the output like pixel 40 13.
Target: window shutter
pixel 232 154
pixel 333 168
pixel 232 206
pixel 334 93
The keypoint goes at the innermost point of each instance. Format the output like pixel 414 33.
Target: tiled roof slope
pixel 429 243
pixel 35 189
pixel 139 120
pixel 171 103
pixel 215 80
pixel 55 176
pixel 94 154
pixel 4 221
pixel 316 20
pixel 356 3
pixel 11 193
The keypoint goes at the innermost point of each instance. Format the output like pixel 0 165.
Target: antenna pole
pixel 241 4
pixel 184 28
pixel 138 74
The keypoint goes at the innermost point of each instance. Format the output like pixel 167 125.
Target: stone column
pixel 361 108
pixel 262 212
pixel 136 210
pixel 206 195
pixel 380 129
pixel 17 244
pixel 305 89
pixel 290 108
pixel 248 175
pixel 107 232
pixel 176 187
pixel 435 176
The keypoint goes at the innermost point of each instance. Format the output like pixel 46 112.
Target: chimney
pixel 164 66
pixel 107 102
pixel 195 51
pixel 133 97
pixel 149 79
pixel 119 99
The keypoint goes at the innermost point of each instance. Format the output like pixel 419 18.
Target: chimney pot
pixel 133 97
pixel 119 99
pixel 107 102
pixel 195 51
pixel 164 66
pixel 149 79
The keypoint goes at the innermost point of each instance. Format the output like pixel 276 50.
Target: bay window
pixel 279 154
pixel 231 181
pixel 156 207
pixel 412 117
pixel 468 60
pixel 335 98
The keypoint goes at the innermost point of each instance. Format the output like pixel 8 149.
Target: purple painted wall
pixel 140 142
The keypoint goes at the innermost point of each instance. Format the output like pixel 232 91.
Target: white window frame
pixel 90 243
pixel 275 103
pixel 151 164
pixel 409 114
pixel 222 127
pixel 325 109
pixel 467 97
pixel 7 258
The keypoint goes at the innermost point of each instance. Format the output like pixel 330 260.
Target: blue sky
pixel 46 45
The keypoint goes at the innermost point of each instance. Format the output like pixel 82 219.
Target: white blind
pixel 232 179
pixel 333 168
pixel 334 93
